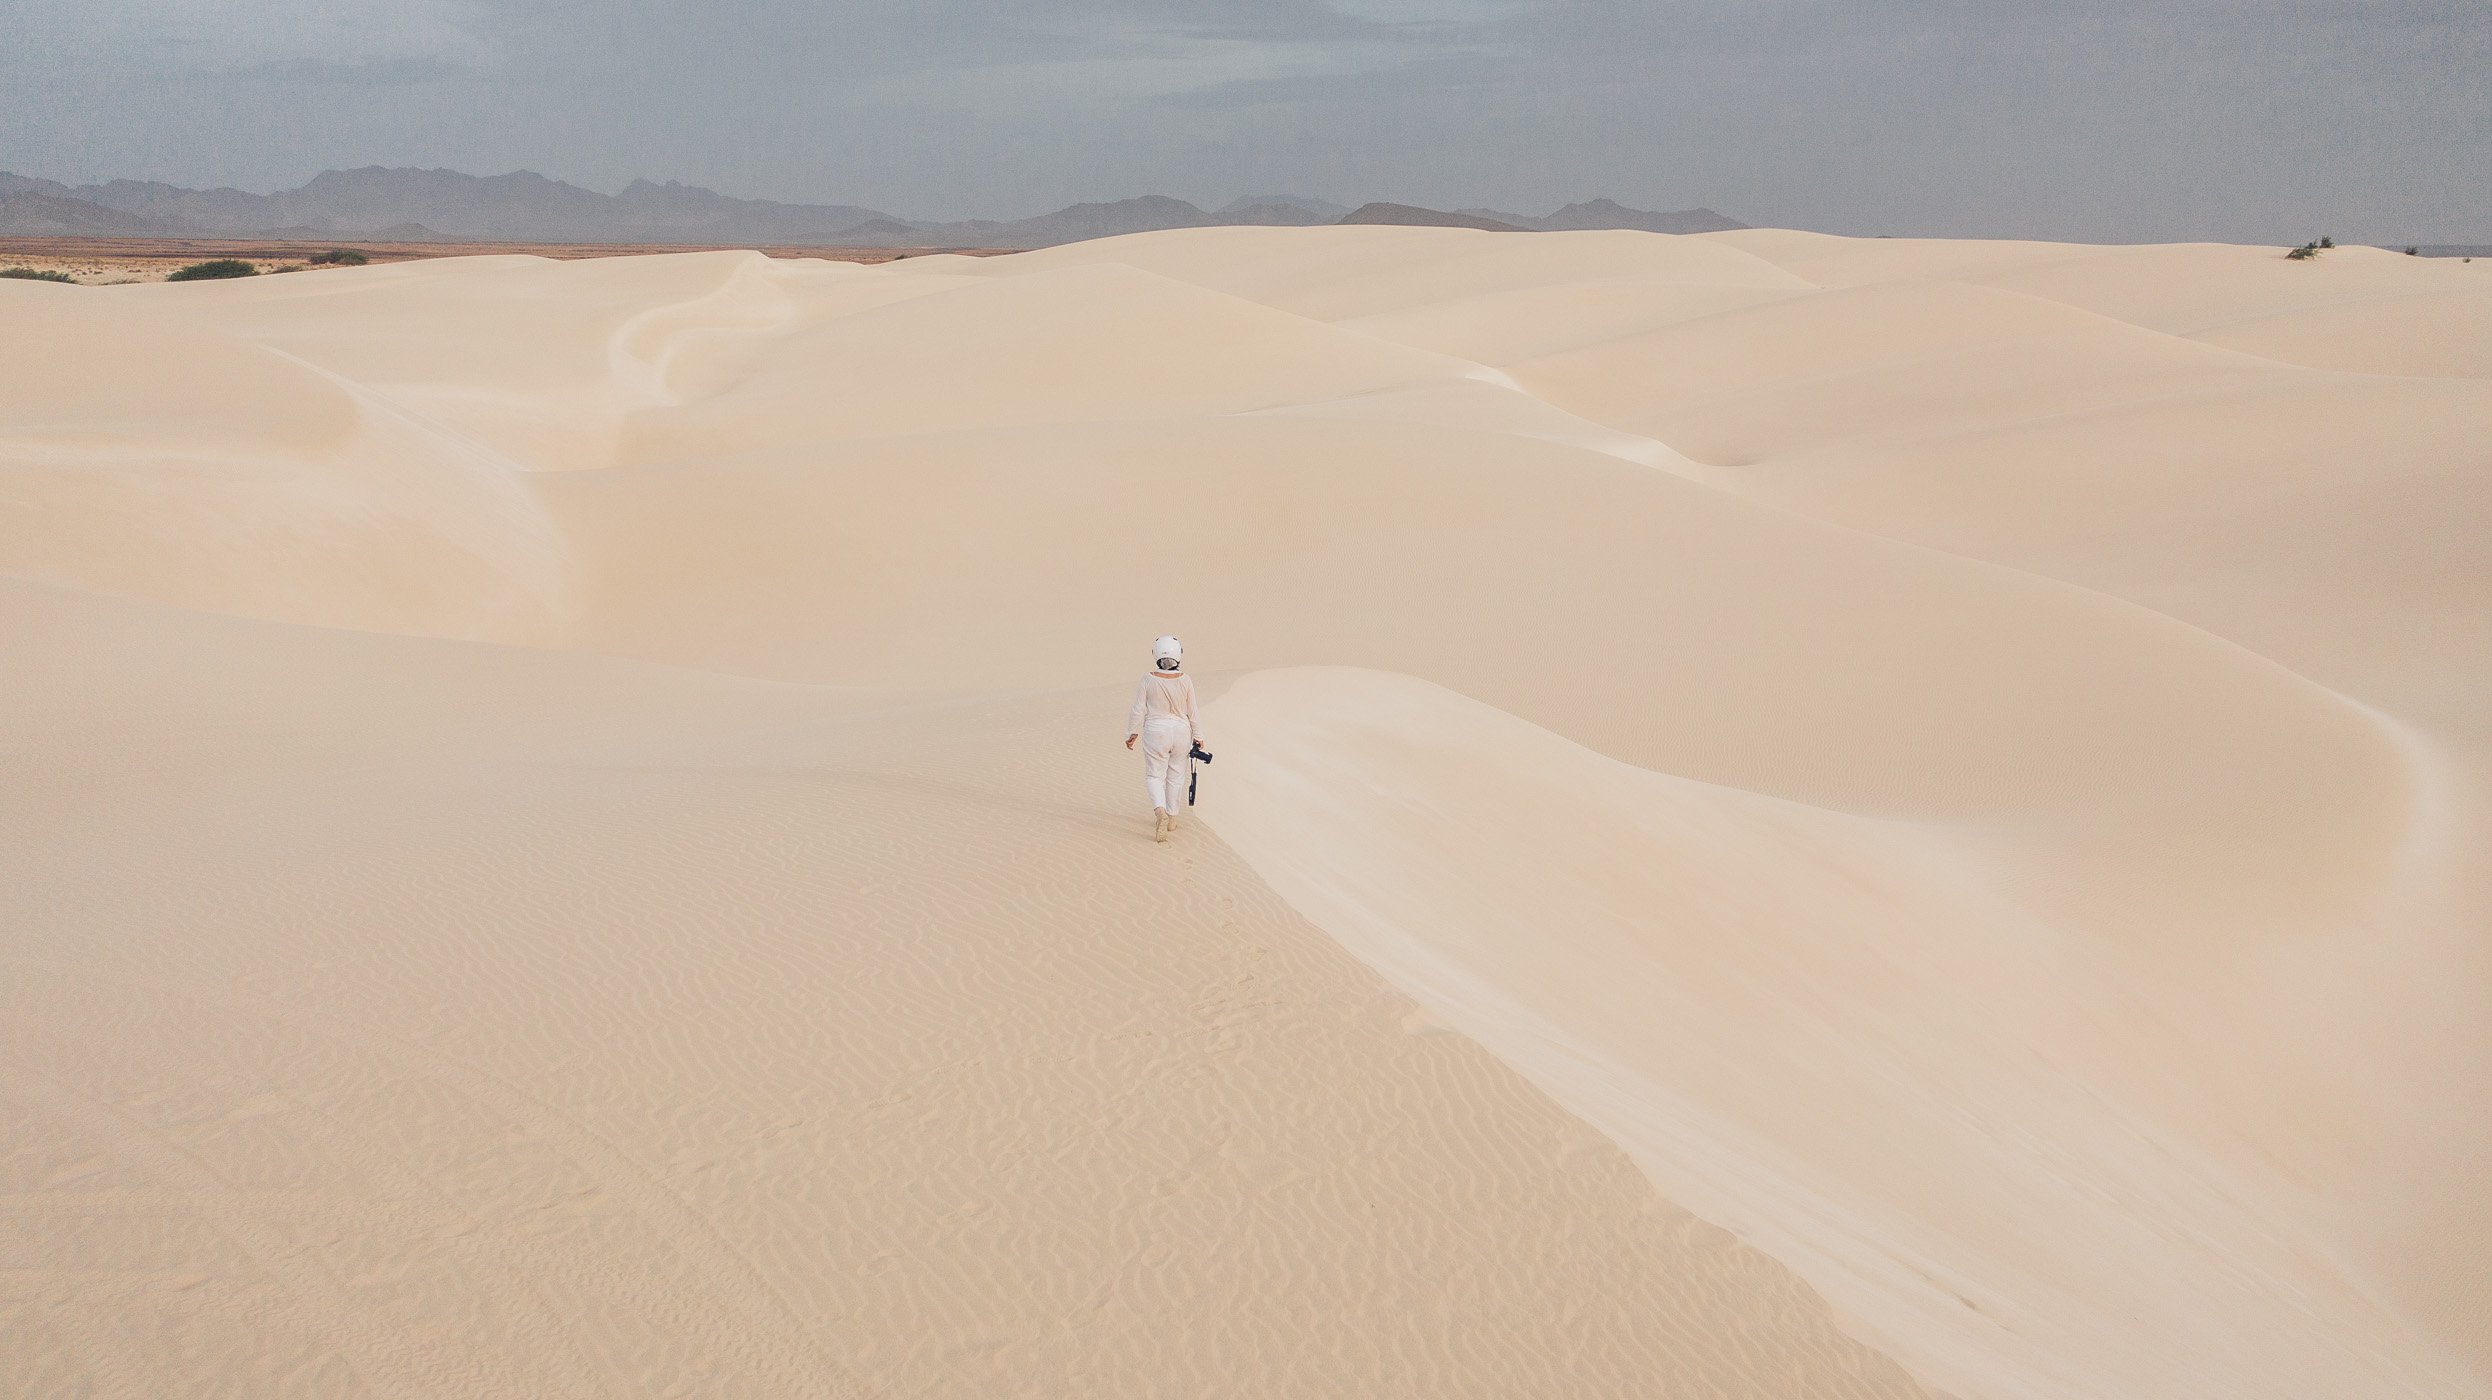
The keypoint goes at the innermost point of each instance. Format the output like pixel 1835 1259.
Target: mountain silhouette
pixel 381 202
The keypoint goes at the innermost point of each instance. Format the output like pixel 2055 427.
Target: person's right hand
pixel 1129 741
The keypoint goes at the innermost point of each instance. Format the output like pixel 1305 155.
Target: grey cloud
pixel 372 71
pixel 1364 85
pixel 2248 119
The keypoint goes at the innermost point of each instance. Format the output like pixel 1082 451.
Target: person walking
pixel 1163 719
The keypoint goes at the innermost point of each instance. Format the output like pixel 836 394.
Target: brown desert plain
pixel 1794 817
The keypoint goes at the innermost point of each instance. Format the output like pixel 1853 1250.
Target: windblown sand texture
pixel 1795 817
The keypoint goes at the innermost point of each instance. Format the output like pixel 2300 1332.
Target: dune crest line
pixel 566 826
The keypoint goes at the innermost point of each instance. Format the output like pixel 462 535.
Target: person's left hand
pixel 1129 741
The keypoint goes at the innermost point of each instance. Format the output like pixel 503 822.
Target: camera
pixel 1196 753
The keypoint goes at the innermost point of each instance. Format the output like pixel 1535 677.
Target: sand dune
pixel 1796 817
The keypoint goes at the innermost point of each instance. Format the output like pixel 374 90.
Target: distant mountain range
pixel 1609 213
pixel 1412 214
pixel 383 204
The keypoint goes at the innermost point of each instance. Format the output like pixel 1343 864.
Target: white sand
pixel 1796 817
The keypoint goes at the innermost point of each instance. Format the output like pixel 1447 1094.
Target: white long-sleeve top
pixel 1164 697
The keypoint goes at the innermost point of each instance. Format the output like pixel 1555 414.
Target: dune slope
pixel 1796 817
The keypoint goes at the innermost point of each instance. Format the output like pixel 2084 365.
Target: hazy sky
pixel 2258 120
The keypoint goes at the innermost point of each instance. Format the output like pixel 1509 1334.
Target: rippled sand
pixel 1795 817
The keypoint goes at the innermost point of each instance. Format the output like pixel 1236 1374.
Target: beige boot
pixel 1159 826
pixel 1172 823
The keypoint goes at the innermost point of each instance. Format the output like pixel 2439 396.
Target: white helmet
pixel 1167 652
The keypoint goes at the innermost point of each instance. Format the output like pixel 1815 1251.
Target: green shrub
pixel 2304 253
pixel 36 274
pixel 212 269
pixel 338 257
pixel 2327 242
pixel 2413 252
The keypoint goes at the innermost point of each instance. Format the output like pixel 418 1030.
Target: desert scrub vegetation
pixel 2311 249
pixel 338 257
pixel 36 274
pixel 212 269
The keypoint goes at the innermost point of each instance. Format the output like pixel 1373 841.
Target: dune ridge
pixel 568 836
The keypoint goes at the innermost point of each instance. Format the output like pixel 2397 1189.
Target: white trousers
pixel 1165 740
